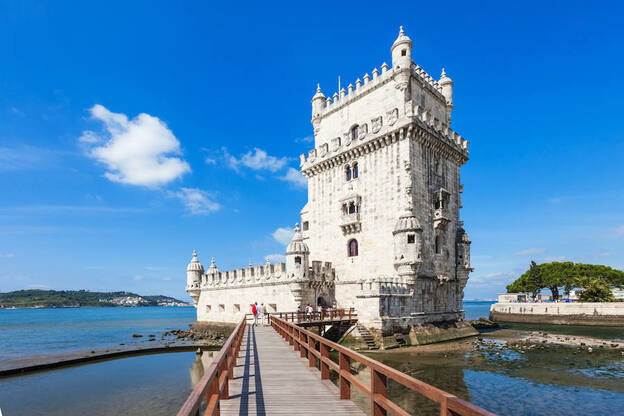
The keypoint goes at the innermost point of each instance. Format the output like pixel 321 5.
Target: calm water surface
pixel 39 332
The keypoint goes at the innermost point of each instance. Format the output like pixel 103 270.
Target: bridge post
pixel 295 338
pixel 379 386
pixel 324 366
pixel 302 351
pixel 345 385
pixel 311 347
pixel 223 372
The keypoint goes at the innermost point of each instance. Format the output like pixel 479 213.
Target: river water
pixel 557 380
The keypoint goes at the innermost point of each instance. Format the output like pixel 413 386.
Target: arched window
pixel 297 260
pixel 352 208
pixel 353 248
pixel 348 173
pixel 437 244
pixel 354 132
pixel 355 170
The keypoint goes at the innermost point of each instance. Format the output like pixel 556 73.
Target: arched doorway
pixel 321 301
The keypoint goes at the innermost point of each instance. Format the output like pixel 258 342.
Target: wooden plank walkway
pixel 272 379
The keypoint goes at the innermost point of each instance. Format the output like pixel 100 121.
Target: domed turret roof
pixel 407 222
pixel 297 246
pixel 401 39
pixel 195 265
pixel 318 94
pixel 444 79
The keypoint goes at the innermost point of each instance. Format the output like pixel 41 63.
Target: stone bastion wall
pixel 578 313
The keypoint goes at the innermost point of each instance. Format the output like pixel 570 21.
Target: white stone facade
pixel 382 216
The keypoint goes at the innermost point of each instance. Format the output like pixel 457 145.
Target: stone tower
pixel 384 195
pixel 194 273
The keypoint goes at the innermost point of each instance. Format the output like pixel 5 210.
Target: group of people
pixel 259 312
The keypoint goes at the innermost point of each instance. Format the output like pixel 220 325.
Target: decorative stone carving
pixel 362 131
pixel 393 116
pixel 376 124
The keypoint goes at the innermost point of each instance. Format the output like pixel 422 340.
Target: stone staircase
pixel 367 337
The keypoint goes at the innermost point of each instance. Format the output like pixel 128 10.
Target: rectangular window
pixel 208 308
pixel 236 307
pixel 411 238
pixel 306 226
pixel 221 308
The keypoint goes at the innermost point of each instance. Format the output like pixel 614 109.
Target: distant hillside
pixel 76 298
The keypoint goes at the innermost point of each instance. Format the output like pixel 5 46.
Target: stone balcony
pixel 350 223
pixel 441 217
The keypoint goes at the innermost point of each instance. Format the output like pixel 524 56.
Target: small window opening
pixel 437 244
pixel 221 308
pixel 411 238
pixel 297 260
pixel 352 208
pixel 348 173
pixel 403 52
pixel 237 307
pixel 353 248
pixel 354 133
pixel 208 308
pixel 306 225
pixel 345 209
pixel 355 170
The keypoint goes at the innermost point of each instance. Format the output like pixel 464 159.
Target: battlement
pixel 380 127
pixel 244 276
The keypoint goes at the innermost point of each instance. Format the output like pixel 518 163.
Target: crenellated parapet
pixel 244 276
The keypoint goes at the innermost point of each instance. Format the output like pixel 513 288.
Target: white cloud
pixel 137 151
pixel 256 159
pixel 283 235
pixel 295 177
pixel 604 255
pixel 530 251
pixel 7 255
pixel 37 286
pixel 196 201
pixel 554 258
pixel 210 161
pixel 275 258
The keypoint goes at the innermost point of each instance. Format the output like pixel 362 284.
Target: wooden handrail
pixel 315 316
pixel 214 385
pixel 305 341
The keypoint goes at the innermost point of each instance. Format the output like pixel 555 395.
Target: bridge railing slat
pixel 305 341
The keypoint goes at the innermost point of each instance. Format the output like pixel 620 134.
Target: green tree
pixel 595 290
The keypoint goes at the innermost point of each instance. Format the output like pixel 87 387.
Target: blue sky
pixel 208 108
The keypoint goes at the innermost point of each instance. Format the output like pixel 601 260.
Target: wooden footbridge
pixel 284 369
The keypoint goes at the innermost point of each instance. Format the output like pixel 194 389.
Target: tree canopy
pixel 595 280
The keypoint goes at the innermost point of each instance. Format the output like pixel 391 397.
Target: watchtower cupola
pixel 401 51
pixel 297 256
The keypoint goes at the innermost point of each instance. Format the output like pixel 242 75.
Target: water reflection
pixel 203 359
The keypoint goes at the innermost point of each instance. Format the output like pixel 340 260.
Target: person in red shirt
pixel 254 311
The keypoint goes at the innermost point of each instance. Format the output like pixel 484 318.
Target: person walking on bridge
pixel 254 311
pixel 262 313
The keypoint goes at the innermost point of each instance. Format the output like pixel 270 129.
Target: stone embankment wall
pixel 595 314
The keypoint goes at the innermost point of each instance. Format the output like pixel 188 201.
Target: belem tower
pixel 381 230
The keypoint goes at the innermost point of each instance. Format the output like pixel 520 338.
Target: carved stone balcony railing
pixel 441 217
pixel 350 223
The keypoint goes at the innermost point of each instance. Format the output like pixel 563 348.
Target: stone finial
pixel 401 33
pixel 384 68
pixel 335 96
pixel 358 84
pixel 375 73
pixel 366 79
pixel 350 87
pixel 296 229
pixel 195 253
pixel 250 263
pixel 343 92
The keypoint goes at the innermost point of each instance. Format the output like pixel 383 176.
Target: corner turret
pixel 297 256
pixel 447 91
pixel 401 51
pixel 407 244
pixel 194 272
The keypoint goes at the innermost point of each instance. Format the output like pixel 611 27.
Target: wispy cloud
pixel 196 201
pixel 530 252
pixel 24 157
pixel 283 235
pixel 137 151
pixel 295 178
pixel 7 255
pixel 554 258
pixel 256 159
pixel 138 277
pixel 275 258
